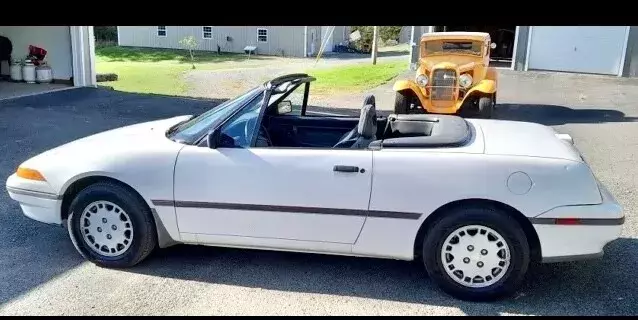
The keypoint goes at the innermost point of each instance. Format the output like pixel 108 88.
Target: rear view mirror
pixel 284 107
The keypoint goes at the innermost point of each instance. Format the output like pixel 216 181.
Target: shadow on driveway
pixel 34 253
pixel 558 115
pixel 597 287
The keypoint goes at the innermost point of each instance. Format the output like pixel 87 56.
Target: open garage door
pixel 69 53
pixel 503 36
pixel 589 49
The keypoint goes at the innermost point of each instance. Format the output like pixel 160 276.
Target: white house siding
pixel 314 40
pixel 286 40
pixel 340 34
pixel 55 39
pixel 404 35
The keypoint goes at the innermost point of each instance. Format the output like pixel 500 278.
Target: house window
pixel 161 31
pixel 207 32
pixel 262 35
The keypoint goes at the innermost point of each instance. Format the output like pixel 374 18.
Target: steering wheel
pixel 262 134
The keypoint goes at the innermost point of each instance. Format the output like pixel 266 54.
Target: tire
pixel 403 100
pixel 135 219
pixel 486 107
pixel 401 103
pixel 464 218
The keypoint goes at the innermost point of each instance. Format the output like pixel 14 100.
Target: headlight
pixel 422 80
pixel 465 80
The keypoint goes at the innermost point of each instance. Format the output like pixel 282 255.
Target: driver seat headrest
pixel 369 100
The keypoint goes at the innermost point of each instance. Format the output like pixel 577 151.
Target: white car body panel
pixel 291 199
pixel 139 155
pixel 275 177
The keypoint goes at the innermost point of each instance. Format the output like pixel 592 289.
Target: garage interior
pixel 503 36
pixel 14 44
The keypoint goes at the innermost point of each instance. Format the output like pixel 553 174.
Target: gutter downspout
pixel 305 41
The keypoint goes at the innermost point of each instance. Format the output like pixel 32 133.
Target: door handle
pixel 340 168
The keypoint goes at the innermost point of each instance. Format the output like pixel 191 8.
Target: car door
pixel 242 192
pixel 278 193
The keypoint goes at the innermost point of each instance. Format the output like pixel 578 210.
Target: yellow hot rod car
pixel 453 76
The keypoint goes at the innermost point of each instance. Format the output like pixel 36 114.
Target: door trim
pixel 623 55
pixel 291 209
pixel 529 45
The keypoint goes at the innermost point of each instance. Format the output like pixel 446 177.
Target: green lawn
pixel 356 77
pixel 161 71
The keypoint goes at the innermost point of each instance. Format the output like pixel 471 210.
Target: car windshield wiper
pixel 174 127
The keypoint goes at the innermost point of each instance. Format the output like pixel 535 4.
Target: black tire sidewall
pixel 492 218
pixel 486 107
pixel 142 232
pixel 401 103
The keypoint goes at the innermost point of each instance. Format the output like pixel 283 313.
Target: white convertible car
pixel 476 200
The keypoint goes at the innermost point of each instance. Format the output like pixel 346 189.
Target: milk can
pixel 28 71
pixel 43 73
pixel 16 70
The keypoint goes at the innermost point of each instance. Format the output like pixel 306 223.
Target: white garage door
pixel 577 49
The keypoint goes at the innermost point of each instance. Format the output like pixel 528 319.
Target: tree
pixel 190 44
pixel 385 33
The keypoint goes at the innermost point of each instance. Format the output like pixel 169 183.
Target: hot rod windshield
pixel 436 47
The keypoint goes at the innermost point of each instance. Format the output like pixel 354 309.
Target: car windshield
pixel 434 47
pixel 195 128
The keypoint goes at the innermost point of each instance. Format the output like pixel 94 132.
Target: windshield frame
pixel 472 53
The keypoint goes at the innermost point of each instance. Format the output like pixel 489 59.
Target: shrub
pixel 105 33
pixel 104 77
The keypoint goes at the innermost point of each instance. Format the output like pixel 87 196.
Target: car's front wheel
pixel 486 107
pixel 476 253
pixel 111 226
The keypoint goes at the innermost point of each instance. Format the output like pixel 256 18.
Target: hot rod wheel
pixel 28 72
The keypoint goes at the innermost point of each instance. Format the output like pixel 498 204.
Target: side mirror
pixel 284 107
pixel 493 45
pixel 213 138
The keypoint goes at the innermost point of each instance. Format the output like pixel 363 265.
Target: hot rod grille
pixel 443 84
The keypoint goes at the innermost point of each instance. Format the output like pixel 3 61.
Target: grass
pixel 149 70
pixel 356 77
pixel 161 71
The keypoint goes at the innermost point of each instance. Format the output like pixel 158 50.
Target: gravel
pixel 41 274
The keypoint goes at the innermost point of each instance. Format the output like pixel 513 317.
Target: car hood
pixel 515 138
pixel 121 141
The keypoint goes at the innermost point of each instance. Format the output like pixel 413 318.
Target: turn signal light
pixel 30 174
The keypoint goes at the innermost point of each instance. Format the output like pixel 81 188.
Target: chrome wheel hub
pixel 106 228
pixel 475 256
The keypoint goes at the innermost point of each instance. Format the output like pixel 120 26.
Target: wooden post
pixel 375 44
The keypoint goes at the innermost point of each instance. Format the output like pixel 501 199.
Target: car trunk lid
pixel 526 139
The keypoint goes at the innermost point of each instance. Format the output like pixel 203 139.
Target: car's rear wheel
pixel 476 253
pixel 111 226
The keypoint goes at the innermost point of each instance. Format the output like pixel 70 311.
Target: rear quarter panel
pixel 415 181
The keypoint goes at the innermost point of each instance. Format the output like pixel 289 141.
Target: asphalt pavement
pixel 42 274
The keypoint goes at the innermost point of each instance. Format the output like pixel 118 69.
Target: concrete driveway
pixel 40 272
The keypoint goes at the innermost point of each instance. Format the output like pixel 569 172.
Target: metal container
pixel 43 73
pixel 16 70
pixel 28 72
